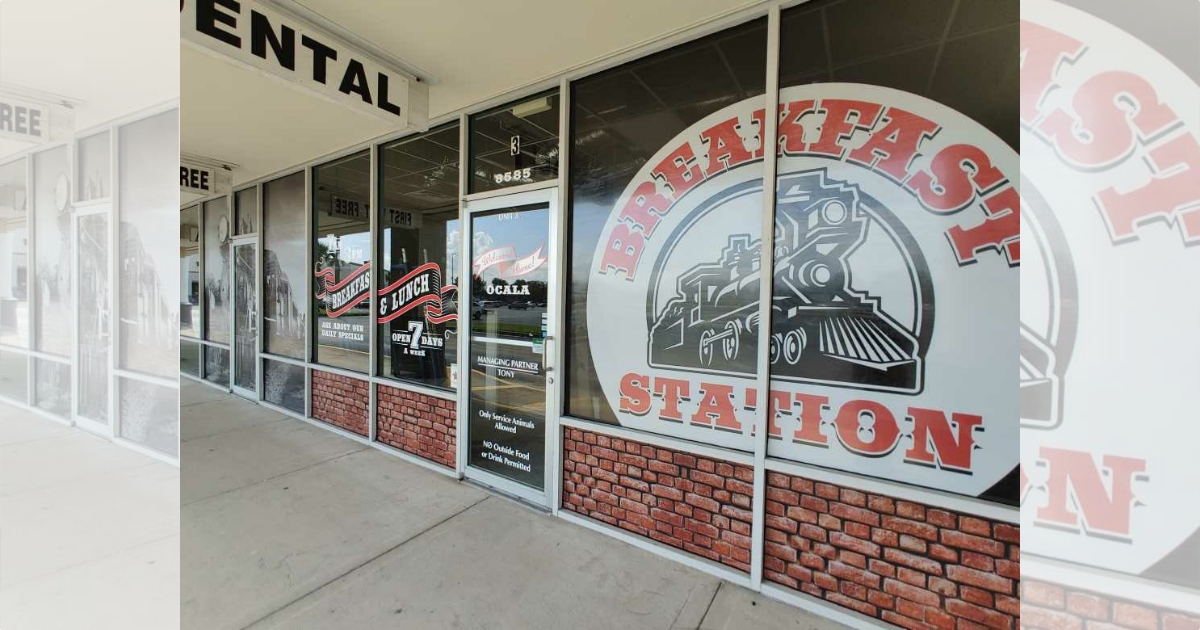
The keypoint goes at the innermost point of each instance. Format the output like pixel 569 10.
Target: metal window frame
pixel 110 207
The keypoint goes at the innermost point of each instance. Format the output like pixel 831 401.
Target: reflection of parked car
pixel 519 306
pixel 477 311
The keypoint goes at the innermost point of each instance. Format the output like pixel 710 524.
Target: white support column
pixel 376 269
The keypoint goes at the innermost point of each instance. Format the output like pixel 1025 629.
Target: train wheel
pixel 731 343
pixel 706 351
pixel 793 346
pixel 775 343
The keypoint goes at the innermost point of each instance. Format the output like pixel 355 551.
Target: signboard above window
pixel 265 39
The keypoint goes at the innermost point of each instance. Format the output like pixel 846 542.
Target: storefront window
pixel 342 260
pixel 149 246
pixel 14 376
pixel 52 229
pixel 666 200
pixel 14 247
pixel 418 247
pixel 284 267
pixel 888 303
pixel 514 144
pixel 216 270
pixel 94 170
pixel 245 210
pixel 283 385
pixel 189 272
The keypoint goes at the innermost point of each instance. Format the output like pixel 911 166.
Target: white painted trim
pixel 41 356
pixel 145 450
pixel 927 496
pixel 169 383
pixel 444 394
pixel 1126 587
pixel 414 459
pixel 36 410
pixel 662 441
pixel 828 610
pixel 282 359
pixel 659 549
pixel 474 198
pixel 766 291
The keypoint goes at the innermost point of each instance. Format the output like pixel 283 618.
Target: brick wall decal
pixel 341 401
pixel 909 564
pixel 416 423
pixel 693 503
pixel 1046 606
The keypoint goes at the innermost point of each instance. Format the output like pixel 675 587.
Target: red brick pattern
pixel 906 563
pixel 418 424
pixel 341 401
pixel 693 503
pixel 1046 606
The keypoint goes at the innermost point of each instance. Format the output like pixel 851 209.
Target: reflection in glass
pixel 245 317
pixel 189 272
pixel 189 357
pixel 216 270
pixel 94 317
pixel 514 144
pixel 149 415
pixel 14 376
pixel 52 386
pixel 283 385
pixel 342 260
pixel 245 210
pixel 620 119
pixel 284 266
pixel 94 176
pixel 14 276
pixel 52 229
pixel 418 247
pixel 149 246
pixel 508 379
pixel 216 365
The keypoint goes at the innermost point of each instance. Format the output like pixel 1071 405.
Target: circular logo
pixel 1110 156
pixel 896 250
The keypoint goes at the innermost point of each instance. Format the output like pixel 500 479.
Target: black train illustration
pixel 823 330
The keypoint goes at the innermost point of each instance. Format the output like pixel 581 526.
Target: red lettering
pixel 671 390
pixel 1175 198
pixel 1074 479
pixel 716 406
pixel 932 427
pixel 679 171
pixel 790 132
pixel 1107 108
pixel 842 119
pixel 958 172
pixel 623 251
pixel 859 416
pixel 1000 231
pixel 726 149
pixel 645 207
pixel 635 394
pixel 1042 51
pixel 895 145
pixel 809 431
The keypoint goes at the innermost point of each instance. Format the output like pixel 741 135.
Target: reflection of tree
pixel 283 315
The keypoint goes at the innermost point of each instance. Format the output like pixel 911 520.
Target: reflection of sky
pixel 352 248
pixel 524 231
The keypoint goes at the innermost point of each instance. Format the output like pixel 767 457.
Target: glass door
pixel 93 321
pixel 245 317
pixel 512 271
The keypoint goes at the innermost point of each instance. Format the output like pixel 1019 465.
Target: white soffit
pixel 116 57
pixel 473 51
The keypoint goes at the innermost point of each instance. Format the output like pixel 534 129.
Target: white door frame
pixel 89 424
pixel 250 240
pixel 549 196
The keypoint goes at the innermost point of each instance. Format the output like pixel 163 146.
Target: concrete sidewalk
pixel 286 525
pixel 89 531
